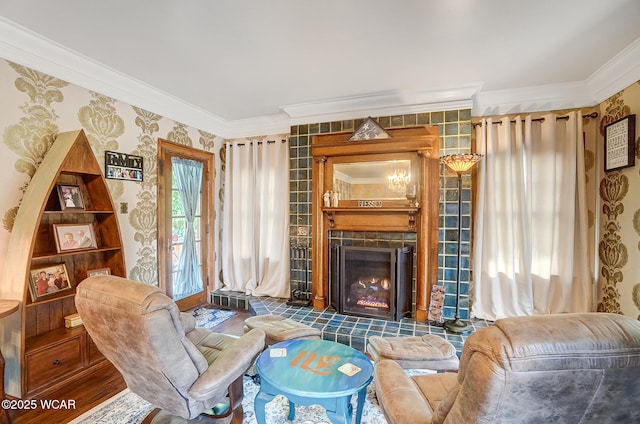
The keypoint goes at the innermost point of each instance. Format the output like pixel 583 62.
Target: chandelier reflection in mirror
pixel 398 181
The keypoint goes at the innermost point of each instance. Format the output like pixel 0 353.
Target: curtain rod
pixel 590 115
pixel 259 142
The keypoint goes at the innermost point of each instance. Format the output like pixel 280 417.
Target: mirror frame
pixel 375 184
pixel 378 157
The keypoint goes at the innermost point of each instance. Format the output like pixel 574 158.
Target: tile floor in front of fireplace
pixel 354 331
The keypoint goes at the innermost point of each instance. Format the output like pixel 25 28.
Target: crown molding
pixel 381 104
pixel 262 125
pixel 382 111
pixel 617 74
pixel 532 99
pixel 25 47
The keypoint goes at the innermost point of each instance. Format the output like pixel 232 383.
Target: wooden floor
pixel 100 386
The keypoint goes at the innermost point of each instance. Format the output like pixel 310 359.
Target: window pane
pixel 178 226
pixel 199 252
pixel 196 228
pixel 176 251
pixel 176 204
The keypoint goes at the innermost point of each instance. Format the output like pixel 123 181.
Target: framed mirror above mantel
pixel 384 185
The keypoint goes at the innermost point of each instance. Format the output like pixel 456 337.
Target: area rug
pixel 125 407
pixel 128 408
pixel 209 317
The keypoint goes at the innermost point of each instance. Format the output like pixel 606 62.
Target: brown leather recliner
pixel 565 368
pixel 163 357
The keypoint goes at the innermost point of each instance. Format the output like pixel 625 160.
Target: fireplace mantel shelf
pixel 410 225
pixel 363 209
pixel 419 148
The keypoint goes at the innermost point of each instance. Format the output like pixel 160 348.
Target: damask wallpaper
pixel 35 107
pixel 619 243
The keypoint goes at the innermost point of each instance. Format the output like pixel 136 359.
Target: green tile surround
pixel 455 137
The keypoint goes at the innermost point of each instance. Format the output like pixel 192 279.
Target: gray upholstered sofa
pixel 568 368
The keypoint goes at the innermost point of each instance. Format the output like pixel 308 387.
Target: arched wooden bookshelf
pixel 41 354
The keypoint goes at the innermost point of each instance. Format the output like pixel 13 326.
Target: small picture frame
pixel 70 197
pixel 98 271
pixel 71 237
pixel 123 166
pixel 619 143
pixel 49 280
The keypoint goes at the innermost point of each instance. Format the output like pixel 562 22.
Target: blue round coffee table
pixel 313 372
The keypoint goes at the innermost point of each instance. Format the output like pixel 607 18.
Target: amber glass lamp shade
pixel 461 163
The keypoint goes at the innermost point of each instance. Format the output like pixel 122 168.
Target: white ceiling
pixel 242 67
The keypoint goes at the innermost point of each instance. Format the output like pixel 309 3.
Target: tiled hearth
pixel 350 330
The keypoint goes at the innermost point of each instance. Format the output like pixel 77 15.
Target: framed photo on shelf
pixel 48 280
pixel 620 143
pixel 98 271
pixel 70 237
pixel 70 197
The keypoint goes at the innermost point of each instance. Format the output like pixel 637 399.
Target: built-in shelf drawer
pixel 44 366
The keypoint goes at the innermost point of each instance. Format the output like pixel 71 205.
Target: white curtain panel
pixel 255 219
pixel 530 241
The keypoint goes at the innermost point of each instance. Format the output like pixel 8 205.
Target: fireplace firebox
pixel 371 282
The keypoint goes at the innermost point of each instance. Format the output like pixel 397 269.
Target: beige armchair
pixel 568 368
pixel 163 357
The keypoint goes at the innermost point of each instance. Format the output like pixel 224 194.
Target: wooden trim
pixel 167 150
pixel 421 146
pixel 319 250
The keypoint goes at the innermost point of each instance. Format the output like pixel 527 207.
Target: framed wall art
pixel 70 197
pixel 619 143
pixel 98 271
pixel 48 280
pixel 70 237
pixel 122 166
